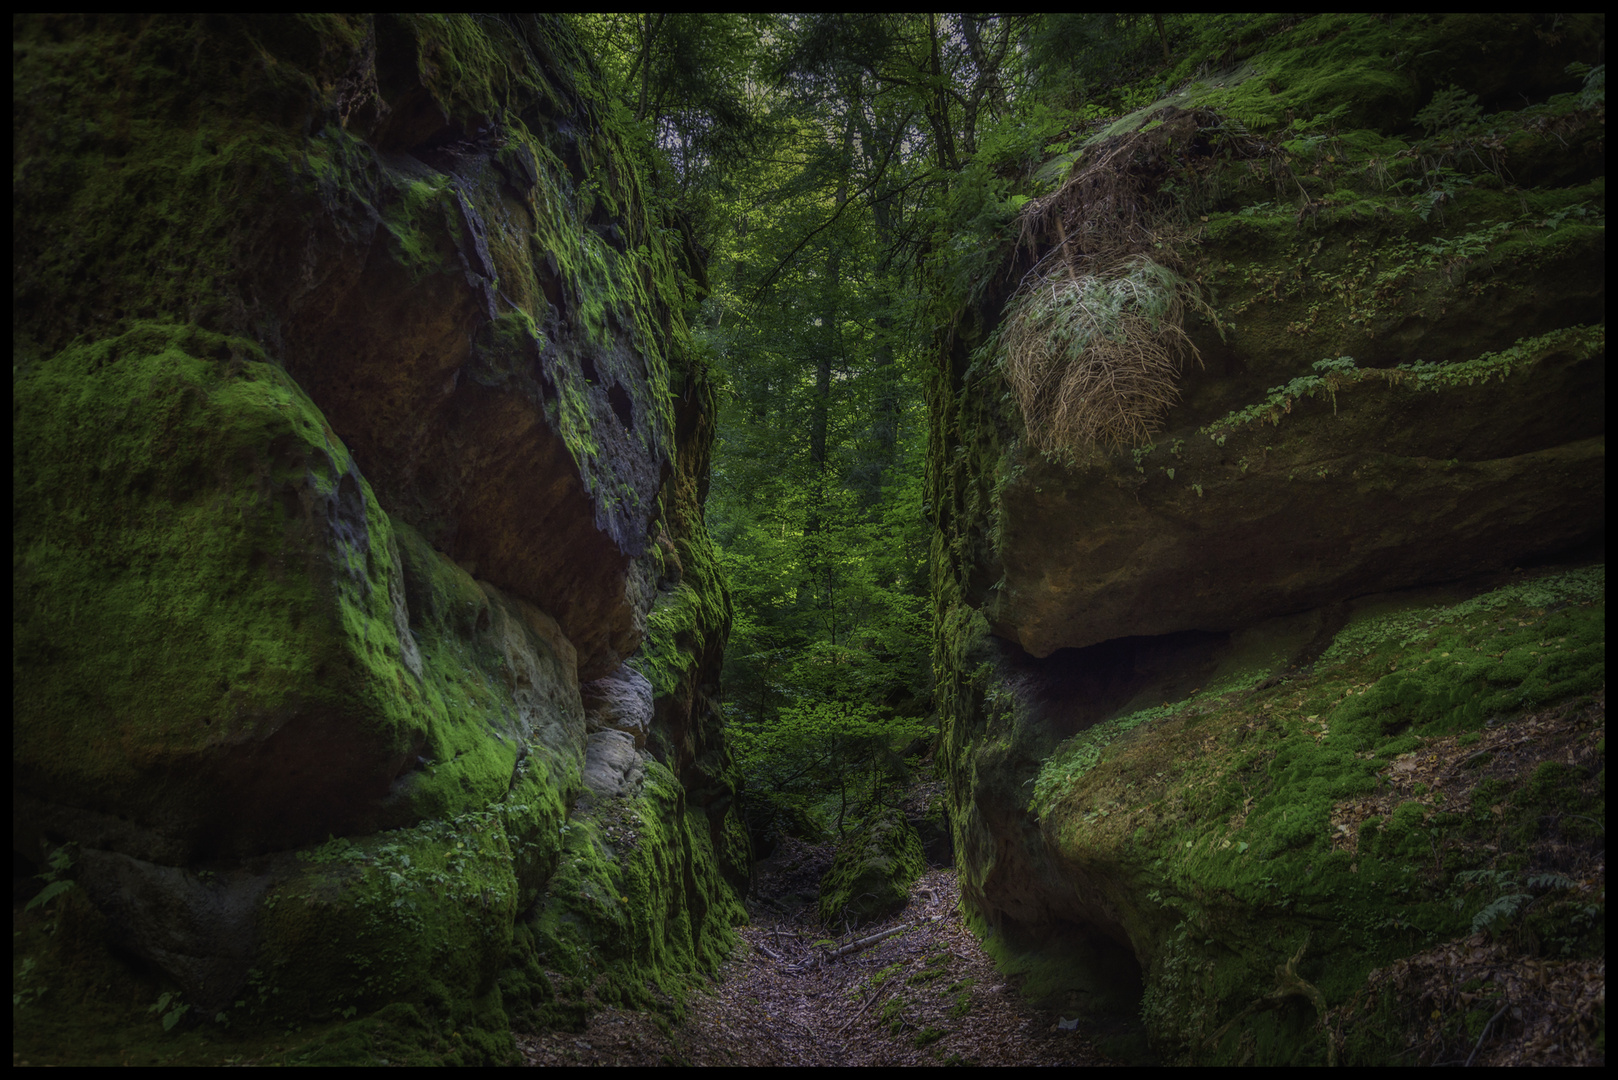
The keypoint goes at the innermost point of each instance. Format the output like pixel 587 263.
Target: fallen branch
pixel 867 942
pixel 861 1013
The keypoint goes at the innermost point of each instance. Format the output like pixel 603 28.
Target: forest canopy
pixel 847 181
pixel 849 184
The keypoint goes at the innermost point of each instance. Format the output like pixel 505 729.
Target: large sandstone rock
pixel 1152 770
pixel 377 434
pixel 244 671
pixel 1376 486
pixel 490 334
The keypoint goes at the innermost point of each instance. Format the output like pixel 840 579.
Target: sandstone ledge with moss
pixel 1169 716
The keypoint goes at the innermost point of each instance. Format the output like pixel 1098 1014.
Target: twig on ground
pixel 862 1012
pixel 1485 1033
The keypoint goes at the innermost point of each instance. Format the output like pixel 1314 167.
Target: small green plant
pixel 1333 375
pixel 1594 91
pixel 1510 901
pixel 56 884
pixel 1442 185
pixel 1449 108
pixel 23 991
pixel 170 1008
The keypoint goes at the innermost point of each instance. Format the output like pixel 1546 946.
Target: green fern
pixel 1449 108
pixel 1501 909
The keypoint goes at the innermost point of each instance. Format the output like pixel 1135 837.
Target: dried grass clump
pixel 1094 358
pixel 1093 341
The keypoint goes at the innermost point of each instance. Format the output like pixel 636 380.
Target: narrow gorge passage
pixel 928 995
pixel 834 538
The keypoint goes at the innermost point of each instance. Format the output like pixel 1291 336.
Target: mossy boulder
pixel 1244 828
pixel 871 874
pixel 216 652
pixel 1402 352
pixel 1366 480
pixel 433 250
pixel 378 433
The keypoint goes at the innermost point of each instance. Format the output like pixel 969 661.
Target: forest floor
pixel 927 995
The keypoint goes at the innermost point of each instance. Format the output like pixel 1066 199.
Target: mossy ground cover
pixel 75 1001
pixel 405 947
pixel 1288 818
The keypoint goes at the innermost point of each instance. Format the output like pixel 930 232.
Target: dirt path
pixel 928 995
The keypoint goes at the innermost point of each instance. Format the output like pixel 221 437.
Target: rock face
pixel 377 433
pixel 1393 392
pixel 1391 484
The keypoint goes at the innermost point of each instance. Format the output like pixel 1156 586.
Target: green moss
pixel 221 478
pixel 1232 831
pixel 100 1011
pixel 130 180
pixel 699 607
pixel 1357 70
pixel 259 553
pixel 1378 221
pixel 422 914
pixel 637 911
pixel 870 876
pixel 200 566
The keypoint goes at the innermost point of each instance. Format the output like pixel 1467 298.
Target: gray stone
pixel 620 702
pixel 612 765
pixel 197 926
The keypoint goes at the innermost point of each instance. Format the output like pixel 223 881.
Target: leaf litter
pixel 919 991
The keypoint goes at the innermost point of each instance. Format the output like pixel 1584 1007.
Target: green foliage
pixel 1342 374
pixel 1449 108
pixel 56 880
pixel 1281 398
pixel 831 760
pixel 170 1008
pixel 47 894
pixel 1593 92
pixel 1080 754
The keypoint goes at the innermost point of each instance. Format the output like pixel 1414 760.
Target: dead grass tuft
pixel 1094 338
pixel 1094 359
